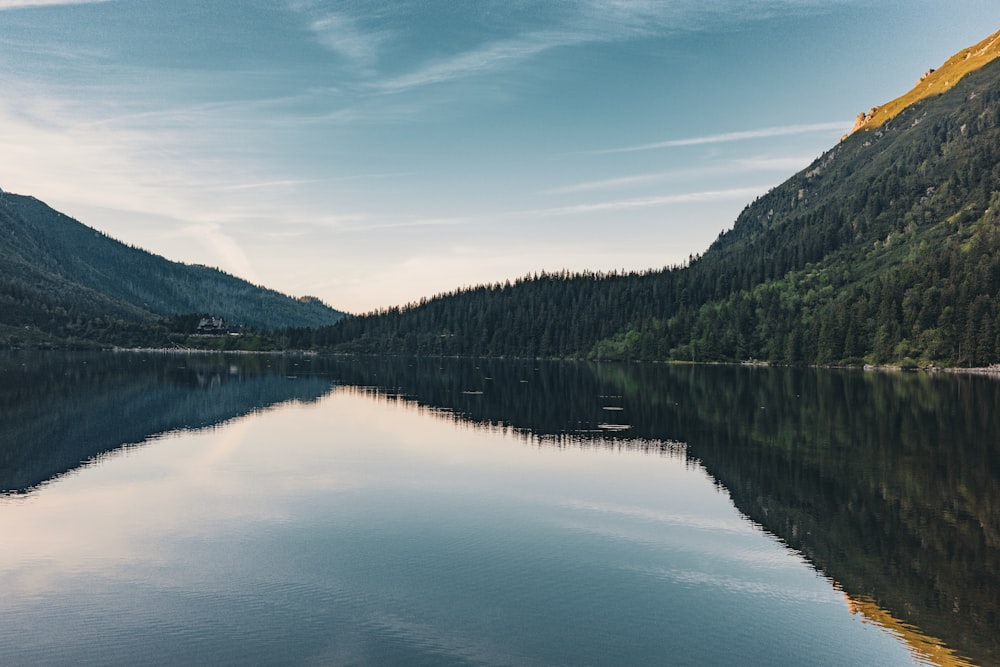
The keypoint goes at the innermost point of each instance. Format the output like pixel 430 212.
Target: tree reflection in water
pixel 888 483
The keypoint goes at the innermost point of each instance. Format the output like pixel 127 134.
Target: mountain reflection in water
pixel 889 484
pixel 61 410
pixel 928 650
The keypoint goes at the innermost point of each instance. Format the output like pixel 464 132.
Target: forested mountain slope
pixel 884 250
pixel 62 280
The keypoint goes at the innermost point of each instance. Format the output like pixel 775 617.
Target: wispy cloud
pixel 650 202
pixel 755 164
pixel 641 16
pixel 343 35
pixel 489 57
pixel 201 162
pixel 403 224
pixel 789 163
pixel 267 185
pixel 20 4
pixel 582 22
pixel 224 246
pixel 612 183
pixel 54 49
pixel 363 36
pixel 726 137
pixel 144 184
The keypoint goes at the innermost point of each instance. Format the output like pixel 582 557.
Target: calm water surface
pixel 173 509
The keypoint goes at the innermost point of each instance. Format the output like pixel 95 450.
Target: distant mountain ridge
pixel 885 250
pixel 60 279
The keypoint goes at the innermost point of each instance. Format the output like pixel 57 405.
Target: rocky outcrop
pixel 934 82
pixel 863 119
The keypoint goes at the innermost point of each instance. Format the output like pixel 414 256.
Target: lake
pixel 297 510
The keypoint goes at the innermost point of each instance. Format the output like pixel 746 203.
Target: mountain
pixel 63 281
pixel 884 250
pixel 934 82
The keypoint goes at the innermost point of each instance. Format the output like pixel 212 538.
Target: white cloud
pixel 612 183
pixel 488 58
pixel 402 224
pixel 20 4
pixel 788 164
pixel 570 24
pixel 232 257
pixel 123 173
pixel 266 185
pixel 756 164
pixel 726 137
pixel 342 35
pixel 745 193
pixel 586 23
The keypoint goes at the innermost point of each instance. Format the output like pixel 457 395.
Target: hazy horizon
pixel 370 155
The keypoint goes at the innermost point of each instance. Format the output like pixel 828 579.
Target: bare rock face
pixel 863 118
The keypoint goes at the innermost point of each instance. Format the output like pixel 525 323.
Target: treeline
pixel 884 250
pixel 547 315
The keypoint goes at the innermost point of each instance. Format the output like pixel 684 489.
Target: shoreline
pixel 197 350
pixel 992 370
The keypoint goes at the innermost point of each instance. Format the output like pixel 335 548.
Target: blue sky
pixel 371 153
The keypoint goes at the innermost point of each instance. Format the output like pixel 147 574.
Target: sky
pixel 373 153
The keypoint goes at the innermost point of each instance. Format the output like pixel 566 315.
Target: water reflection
pixel 61 410
pixel 889 484
pixel 928 650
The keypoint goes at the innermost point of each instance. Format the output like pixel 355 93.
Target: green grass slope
pixel 934 82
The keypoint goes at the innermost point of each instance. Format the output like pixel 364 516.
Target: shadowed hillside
pixel 61 280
